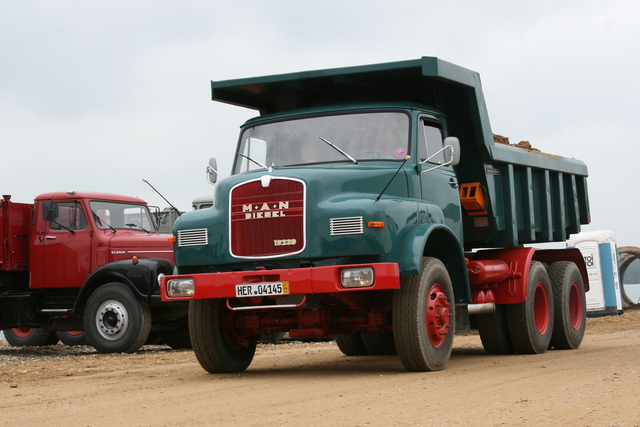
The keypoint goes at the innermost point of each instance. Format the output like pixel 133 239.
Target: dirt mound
pixel 525 145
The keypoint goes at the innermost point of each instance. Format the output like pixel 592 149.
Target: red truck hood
pixel 141 245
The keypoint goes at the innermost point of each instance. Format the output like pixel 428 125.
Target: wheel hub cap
pixel 112 319
pixel 438 315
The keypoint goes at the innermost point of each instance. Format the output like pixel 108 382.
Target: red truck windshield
pixel 362 136
pixel 108 215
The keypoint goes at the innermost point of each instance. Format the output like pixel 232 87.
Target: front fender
pixel 438 241
pixel 141 277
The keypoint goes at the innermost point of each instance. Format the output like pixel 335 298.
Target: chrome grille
pixel 196 237
pixel 349 225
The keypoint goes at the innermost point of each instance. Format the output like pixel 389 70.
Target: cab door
pixel 439 186
pixel 65 246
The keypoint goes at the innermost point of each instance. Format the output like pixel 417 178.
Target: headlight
pixel 357 277
pixel 180 287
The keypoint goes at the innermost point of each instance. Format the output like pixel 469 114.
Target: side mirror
pixel 451 150
pixel 212 171
pixel 49 210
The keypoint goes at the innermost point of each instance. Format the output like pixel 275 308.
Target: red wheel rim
pixel 437 316
pixel 75 332
pixel 575 306
pixel 22 332
pixel 541 309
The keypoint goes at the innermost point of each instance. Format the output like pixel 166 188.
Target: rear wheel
pixel 30 337
pixel 114 320
pixel 494 332
pixel 423 318
pixel 379 343
pixel 351 345
pixel 178 339
pixel 531 322
pixel 73 337
pixel 570 305
pixel 216 338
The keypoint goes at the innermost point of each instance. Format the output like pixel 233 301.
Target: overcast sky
pixel 96 95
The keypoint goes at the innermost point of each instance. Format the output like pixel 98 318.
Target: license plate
pixel 262 289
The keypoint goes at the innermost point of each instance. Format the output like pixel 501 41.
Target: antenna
pixel 154 189
pixel 394 175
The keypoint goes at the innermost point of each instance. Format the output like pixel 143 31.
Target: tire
pixel 570 305
pixel 215 338
pixel 272 338
pixel 178 339
pixel 29 337
pixel 73 337
pixel 351 345
pixel 379 343
pixel 423 318
pixel 531 322
pixel 494 331
pixel 114 321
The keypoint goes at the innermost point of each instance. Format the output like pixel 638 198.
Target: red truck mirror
pixel 49 210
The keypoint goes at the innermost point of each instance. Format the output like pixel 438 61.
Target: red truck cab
pixel 87 261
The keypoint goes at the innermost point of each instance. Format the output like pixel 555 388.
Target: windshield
pixel 114 215
pixel 362 136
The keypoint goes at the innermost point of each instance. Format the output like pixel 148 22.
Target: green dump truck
pixel 371 204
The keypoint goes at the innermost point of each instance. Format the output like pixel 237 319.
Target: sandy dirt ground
pixel 314 384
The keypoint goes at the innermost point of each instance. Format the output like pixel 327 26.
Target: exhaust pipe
pixel 485 308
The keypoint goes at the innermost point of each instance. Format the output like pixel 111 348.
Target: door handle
pixel 453 183
pixel 50 237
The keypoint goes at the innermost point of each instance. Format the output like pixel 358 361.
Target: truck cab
pixel 371 205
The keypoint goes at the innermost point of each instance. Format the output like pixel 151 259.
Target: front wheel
pixel 30 337
pixel 114 320
pixel 216 337
pixel 423 318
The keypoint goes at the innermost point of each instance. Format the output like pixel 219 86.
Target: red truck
pixel 85 262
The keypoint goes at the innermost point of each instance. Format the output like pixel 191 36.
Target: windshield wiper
pixel 137 227
pixel 348 157
pixel 98 221
pixel 255 161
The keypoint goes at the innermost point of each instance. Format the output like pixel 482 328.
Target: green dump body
pixel 530 197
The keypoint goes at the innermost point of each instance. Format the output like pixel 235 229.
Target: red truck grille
pixel 267 218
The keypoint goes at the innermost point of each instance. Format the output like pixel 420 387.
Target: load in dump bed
pixel 353 199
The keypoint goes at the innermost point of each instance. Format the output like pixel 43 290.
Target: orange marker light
pixel 375 224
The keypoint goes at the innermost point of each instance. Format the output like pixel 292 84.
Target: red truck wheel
pixel 570 305
pixel 216 339
pixel 531 322
pixel 114 321
pixel 73 337
pixel 26 337
pixel 423 318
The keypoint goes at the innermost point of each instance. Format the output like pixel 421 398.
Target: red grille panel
pixel 267 221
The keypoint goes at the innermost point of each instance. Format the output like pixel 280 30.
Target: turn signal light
pixel 375 224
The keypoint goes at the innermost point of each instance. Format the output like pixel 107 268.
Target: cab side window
pixel 430 142
pixel 70 217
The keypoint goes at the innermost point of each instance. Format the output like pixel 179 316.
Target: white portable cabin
pixel 600 254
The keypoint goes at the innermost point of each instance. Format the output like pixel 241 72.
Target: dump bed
pixel 531 197
pixel 15 219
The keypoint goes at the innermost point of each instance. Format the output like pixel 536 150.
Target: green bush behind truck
pixel 372 205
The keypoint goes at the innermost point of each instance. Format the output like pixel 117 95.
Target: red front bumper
pixel 311 280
